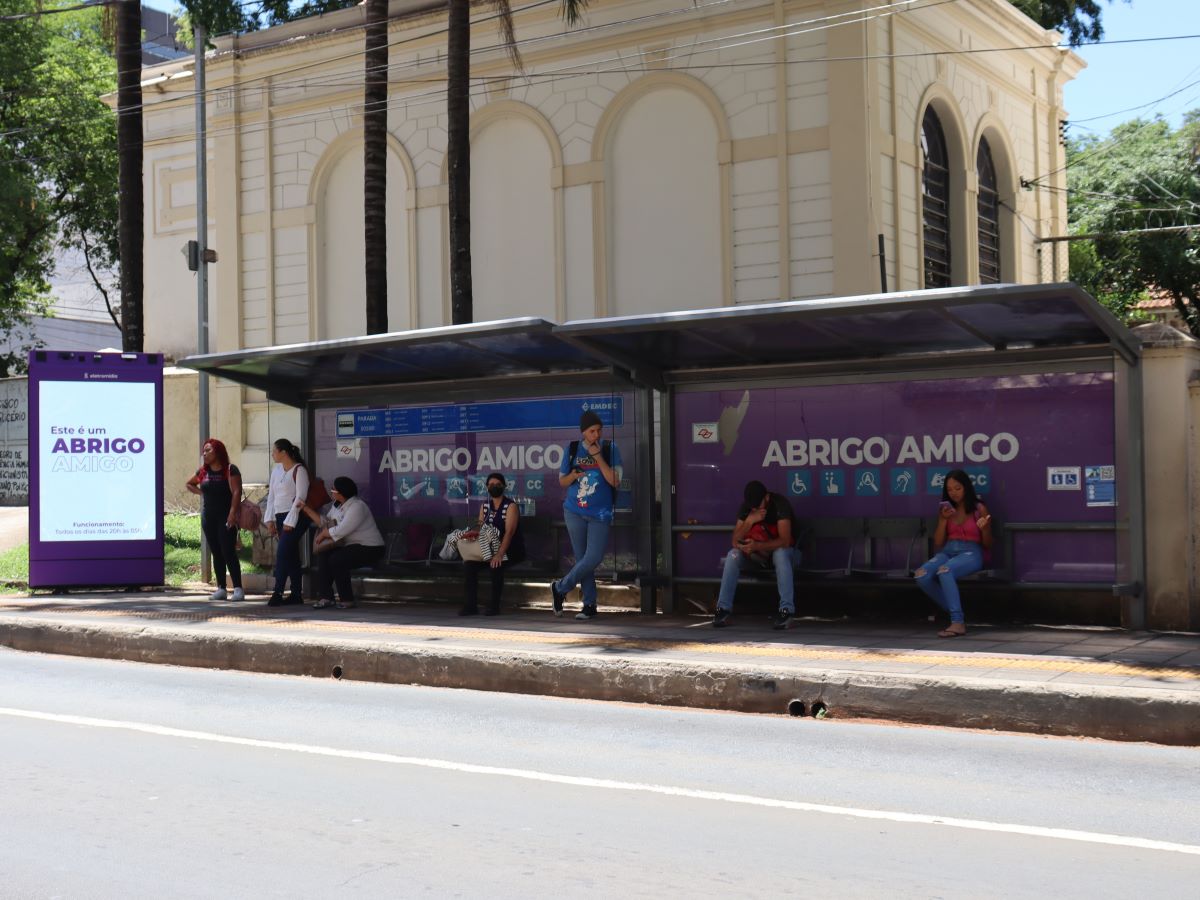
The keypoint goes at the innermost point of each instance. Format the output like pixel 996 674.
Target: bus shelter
pixel 419 418
pixel 856 408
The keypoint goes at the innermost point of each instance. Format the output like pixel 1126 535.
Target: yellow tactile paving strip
pixel 989 661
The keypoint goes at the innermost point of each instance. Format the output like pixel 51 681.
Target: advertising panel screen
pixel 1035 446
pixel 429 463
pixel 95 429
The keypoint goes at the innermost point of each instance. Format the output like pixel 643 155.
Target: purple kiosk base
pixel 95 469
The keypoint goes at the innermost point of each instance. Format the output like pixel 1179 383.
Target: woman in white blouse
pixel 286 493
pixel 349 539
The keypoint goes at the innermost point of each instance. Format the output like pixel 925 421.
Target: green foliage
pixel 14 566
pixel 58 163
pixel 1133 189
pixel 1079 20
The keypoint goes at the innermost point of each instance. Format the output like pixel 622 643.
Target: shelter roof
pixel 929 327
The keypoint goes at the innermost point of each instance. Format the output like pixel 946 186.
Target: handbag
pixel 249 515
pixel 469 550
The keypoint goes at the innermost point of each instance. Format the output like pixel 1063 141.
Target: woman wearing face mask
pixel 349 539
pixel 502 514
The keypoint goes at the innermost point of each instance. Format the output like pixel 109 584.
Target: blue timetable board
pixel 505 415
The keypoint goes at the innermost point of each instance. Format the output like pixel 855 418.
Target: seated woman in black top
pixel 502 514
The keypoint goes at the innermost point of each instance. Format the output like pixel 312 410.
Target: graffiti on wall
pixel 14 442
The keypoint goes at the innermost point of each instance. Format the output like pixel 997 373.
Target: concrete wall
pixel 1171 377
pixel 14 442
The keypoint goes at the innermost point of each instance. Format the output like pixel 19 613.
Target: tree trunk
pixel 458 159
pixel 129 173
pixel 375 110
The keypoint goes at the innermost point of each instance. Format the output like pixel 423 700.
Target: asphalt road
pixel 123 780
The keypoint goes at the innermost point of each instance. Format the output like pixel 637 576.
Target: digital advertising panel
pixel 1036 448
pixel 95 469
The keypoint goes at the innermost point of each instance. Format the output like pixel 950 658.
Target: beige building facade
pixel 660 156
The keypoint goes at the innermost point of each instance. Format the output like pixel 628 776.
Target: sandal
pixel 323 604
pixel 951 633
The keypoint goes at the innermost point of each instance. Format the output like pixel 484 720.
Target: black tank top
pixel 215 489
pixel 496 516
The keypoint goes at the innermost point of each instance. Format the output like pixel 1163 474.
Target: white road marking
pixel 1064 834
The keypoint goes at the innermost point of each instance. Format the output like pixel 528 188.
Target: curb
pixel 1109 713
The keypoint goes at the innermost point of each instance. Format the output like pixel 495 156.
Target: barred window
pixel 989 216
pixel 935 201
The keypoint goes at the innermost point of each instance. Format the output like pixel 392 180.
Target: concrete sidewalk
pixel 1092 682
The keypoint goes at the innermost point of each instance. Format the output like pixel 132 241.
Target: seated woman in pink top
pixel 964 531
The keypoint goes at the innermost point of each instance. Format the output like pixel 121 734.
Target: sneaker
pixel 782 620
pixel 218 595
pixel 276 600
pixel 558 596
pixel 492 611
pixel 291 600
pixel 588 612
pixel 721 619
pixel 238 595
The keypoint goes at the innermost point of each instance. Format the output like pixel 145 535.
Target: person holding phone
pixel 219 483
pixel 591 472
pixel 964 532
pixel 762 535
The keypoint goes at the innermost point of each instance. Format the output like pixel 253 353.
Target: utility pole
pixel 200 38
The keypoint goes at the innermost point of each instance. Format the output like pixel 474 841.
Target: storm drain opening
pixel 796 708
pixel 337 672
pixel 819 710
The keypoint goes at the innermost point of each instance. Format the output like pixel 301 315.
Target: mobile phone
pixel 946 504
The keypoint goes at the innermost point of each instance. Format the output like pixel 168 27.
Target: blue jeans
pixel 287 554
pixel 588 540
pixel 785 560
pixel 961 558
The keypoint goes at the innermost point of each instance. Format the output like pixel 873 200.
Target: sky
pixel 1122 76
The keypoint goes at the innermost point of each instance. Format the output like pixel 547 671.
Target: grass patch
pixel 181 554
pixel 181 548
pixel 14 566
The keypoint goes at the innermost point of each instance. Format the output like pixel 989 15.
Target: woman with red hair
pixel 219 483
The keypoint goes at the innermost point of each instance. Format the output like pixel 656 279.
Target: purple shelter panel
pixel 429 463
pixel 95 469
pixel 881 451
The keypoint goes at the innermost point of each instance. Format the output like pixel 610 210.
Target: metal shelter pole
pixel 201 38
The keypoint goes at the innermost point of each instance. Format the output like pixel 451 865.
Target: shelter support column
pixel 666 469
pixel 1171 365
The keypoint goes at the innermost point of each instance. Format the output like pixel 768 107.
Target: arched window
pixel 989 216
pixel 935 201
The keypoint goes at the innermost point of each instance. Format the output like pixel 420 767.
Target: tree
pixel 375 115
pixel 1079 20
pixel 458 147
pixel 1138 192
pixel 129 153
pixel 58 159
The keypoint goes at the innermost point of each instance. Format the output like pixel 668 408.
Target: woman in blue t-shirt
pixel 590 474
